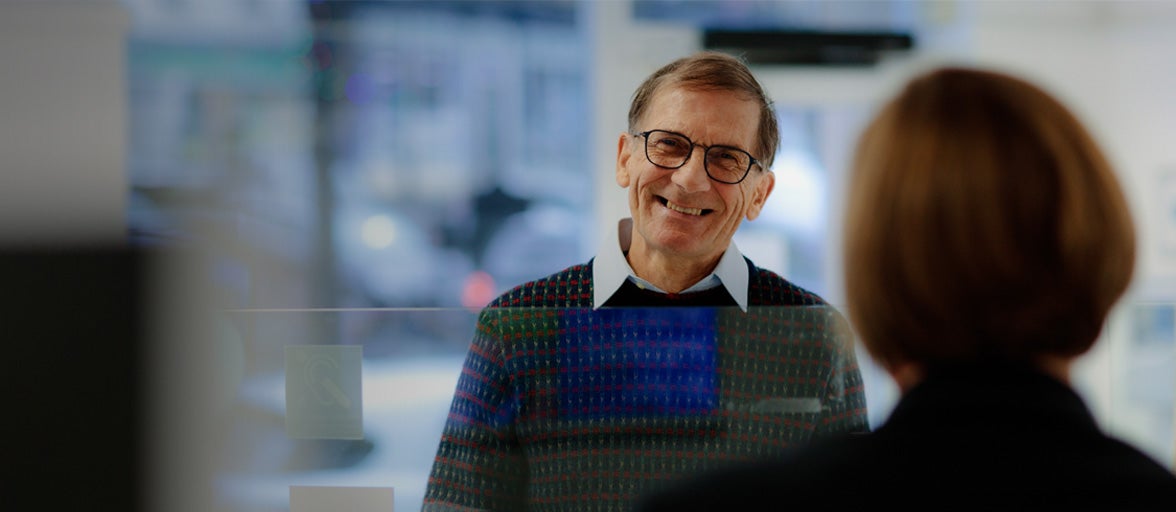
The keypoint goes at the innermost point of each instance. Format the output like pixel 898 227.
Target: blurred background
pixel 371 172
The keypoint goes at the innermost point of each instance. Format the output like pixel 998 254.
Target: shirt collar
pixel 610 269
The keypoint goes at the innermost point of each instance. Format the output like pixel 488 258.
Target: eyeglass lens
pixel 725 164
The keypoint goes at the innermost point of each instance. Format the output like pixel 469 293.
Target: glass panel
pixel 644 372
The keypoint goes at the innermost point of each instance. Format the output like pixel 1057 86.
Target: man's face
pixel 681 214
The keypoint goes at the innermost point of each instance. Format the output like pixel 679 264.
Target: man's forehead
pixel 664 113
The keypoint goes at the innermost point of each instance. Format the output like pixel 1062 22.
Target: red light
pixel 478 290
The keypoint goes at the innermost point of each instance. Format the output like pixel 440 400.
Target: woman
pixel 986 240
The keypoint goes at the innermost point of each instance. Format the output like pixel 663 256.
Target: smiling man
pixel 685 207
pixel 667 354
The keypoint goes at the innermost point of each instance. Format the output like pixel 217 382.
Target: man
pixel 669 352
pixel 1016 242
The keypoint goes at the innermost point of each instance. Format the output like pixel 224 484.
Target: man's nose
pixel 692 175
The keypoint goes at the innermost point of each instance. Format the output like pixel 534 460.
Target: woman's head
pixel 983 222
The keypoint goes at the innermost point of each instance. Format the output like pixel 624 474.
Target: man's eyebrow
pixel 696 141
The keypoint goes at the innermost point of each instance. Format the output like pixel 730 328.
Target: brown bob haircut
pixel 983 222
pixel 712 70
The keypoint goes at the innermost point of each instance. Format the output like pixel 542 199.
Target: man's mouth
pixel 682 209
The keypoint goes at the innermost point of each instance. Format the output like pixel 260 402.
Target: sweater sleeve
pixel 844 407
pixel 479 463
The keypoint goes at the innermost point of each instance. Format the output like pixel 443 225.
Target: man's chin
pixel 682 245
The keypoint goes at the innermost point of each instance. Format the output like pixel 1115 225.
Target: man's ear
pixel 623 155
pixel 759 195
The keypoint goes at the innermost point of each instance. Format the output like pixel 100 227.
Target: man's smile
pixel 683 209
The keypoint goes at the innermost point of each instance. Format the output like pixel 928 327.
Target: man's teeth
pixel 683 209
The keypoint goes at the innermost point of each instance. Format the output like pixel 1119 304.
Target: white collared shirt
pixel 610 269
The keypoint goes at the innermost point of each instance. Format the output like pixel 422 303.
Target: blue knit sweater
pixel 562 407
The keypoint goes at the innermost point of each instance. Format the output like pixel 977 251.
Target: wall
pixel 64 132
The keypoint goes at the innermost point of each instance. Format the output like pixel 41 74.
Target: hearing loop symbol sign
pixel 324 391
pixel 322 381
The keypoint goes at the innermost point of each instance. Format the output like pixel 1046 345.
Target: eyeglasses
pixel 724 164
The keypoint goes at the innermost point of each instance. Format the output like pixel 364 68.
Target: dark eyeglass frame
pixel 705 149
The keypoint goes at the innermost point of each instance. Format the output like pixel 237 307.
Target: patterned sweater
pixel 561 407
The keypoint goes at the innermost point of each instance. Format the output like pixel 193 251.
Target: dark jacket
pixel 985 437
